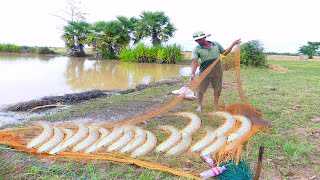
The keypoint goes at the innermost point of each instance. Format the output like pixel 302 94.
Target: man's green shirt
pixel 207 56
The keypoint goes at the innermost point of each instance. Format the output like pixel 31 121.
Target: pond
pixel 27 77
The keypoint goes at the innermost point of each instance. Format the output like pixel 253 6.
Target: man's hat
pixel 199 35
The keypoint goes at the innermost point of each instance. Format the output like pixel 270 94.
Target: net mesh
pixel 187 165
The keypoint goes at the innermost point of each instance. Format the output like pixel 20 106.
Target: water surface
pixel 27 77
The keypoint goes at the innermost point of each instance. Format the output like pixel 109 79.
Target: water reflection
pixel 30 76
pixel 88 74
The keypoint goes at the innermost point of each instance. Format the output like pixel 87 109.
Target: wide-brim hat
pixel 199 35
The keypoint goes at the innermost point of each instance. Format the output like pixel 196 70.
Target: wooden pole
pixel 259 165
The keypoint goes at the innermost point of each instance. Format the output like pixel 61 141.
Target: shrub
pixel 9 48
pixel 228 62
pixel 252 54
pixel 44 50
pixel 153 54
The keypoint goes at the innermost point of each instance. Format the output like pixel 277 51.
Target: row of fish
pixel 136 141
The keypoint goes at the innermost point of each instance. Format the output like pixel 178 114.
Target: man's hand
pixel 192 77
pixel 236 42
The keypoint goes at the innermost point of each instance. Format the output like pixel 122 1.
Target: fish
pixel 77 137
pixel 182 146
pixel 239 134
pixel 229 123
pixel 124 140
pixel 210 136
pixel 57 137
pixel 45 135
pixel 68 133
pixel 105 141
pixel 205 141
pixel 215 147
pixel 242 130
pixel 103 132
pixel 174 138
pixel 91 138
pixel 146 147
pixel 139 138
pixel 194 123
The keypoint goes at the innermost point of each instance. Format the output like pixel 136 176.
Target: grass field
pixel 287 93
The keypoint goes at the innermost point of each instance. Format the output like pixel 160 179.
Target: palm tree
pixel 108 38
pixel 155 25
pixel 74 36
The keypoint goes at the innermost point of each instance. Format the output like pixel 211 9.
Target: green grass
pixel 289 100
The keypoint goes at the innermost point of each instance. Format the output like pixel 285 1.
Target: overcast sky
pixel 281 25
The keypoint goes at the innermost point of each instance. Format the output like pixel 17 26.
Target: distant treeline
pixel 284 54
pixel 11 48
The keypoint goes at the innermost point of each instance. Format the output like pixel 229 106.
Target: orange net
pixel 18 138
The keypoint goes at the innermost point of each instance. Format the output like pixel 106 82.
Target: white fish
pixel 146 147
pixel 236 137
pixel 243 129
pixel 55 140
pixel 182 146
pixel 205 141
pixel 139 138
pixel 77 137
pixel 45 135
pixel 103 132
pixel 91 138
pixel 194 124
pixel 68 133
pixel 216 146
pixel 224 129
pixel 229 123
pixel 124 140
pixel 171 141
pixel 105 141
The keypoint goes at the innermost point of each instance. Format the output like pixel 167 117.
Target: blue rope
pixel 7 150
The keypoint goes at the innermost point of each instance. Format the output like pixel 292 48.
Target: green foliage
pixel 44 50
pixel 155 25
pixel 10 48
pixel 228 62
pixel 27 49
pixel 252 54
pixel 75 36
pixel 154 54
pixel 311 49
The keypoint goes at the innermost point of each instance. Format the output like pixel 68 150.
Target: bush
pixel 154 54
pixel 10 48
pixel 252 54
pixel 228 62
pixel 44 50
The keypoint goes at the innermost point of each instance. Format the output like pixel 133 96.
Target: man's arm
pixel 227 51
pixel 194 65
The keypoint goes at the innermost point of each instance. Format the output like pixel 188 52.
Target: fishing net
pixel 188 164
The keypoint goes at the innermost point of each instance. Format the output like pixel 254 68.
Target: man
pixel 208 52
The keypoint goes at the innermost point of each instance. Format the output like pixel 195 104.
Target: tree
pixel 75 35
pixel 155 25
pixel 311 49
pixel 108 38
pixel 76 25
pixel 252 54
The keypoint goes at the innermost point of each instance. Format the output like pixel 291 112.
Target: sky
pixel 280 25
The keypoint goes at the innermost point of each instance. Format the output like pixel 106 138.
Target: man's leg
pixel 201 90
pixel 217 86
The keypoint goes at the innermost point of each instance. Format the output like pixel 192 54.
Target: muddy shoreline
pixel 23 111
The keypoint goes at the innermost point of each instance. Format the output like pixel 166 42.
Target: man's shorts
pixel 214 77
